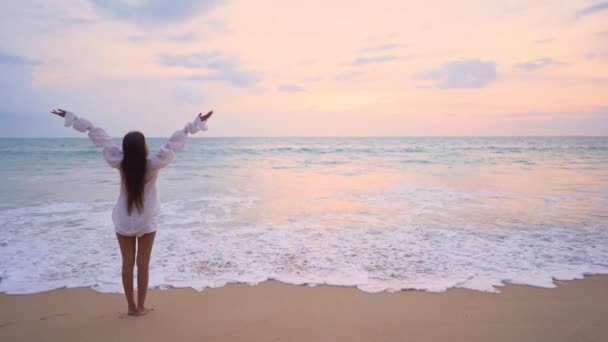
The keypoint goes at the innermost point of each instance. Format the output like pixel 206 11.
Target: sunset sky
pixel 311 68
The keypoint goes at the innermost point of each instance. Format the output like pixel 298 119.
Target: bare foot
pixel 143 311
pixel 132 310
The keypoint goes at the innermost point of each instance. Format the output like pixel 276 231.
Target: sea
pixel 375 213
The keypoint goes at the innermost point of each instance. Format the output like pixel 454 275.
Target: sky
pixel 306 68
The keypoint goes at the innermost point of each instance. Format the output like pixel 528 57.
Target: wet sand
pixel 574 311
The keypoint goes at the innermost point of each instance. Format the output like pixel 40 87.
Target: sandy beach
pixel 272 311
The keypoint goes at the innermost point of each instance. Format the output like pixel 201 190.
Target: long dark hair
pixel 133 169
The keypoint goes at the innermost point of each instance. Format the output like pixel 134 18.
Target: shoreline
pixel 273 311
pixel 556 282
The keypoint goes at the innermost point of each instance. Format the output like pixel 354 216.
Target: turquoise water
pixel 377 213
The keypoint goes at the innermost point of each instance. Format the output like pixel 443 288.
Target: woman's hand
pixel 206 116
pixel 59 112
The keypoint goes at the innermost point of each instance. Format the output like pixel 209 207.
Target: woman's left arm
pixel 112 153
pixel 177 141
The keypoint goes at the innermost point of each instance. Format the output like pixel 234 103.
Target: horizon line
pixel 338 136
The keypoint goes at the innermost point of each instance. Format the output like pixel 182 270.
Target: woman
pixel 135 214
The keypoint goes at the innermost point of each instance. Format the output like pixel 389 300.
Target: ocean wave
pixel 380 214
pixel 200 244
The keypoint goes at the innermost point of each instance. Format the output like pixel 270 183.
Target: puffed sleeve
pixel 111 153
pixel 176 142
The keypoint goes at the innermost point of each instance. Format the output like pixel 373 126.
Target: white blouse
pixel 138 223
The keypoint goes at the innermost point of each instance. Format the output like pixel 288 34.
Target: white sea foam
pixel 200 245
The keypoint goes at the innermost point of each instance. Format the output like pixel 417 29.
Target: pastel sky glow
pixel 307 68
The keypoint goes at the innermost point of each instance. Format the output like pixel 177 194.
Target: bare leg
pixel 144 250
pixel 127 249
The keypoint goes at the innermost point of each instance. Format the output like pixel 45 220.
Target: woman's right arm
pixel 111 153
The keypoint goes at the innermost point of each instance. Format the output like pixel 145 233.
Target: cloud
pixel 187 37
pixel 313 79
pixel 537 64
pixel 184 38
pixel 155 11
pixel 377 59
pixel 239 78
pixel 78 21
pixel 200 60
pixel 138 39
pixel 596 55
pixel 219 67
pixel 9 58
pixel 290 88
pixel 347 76
pixel 383 47
pixel 589 10
pixel 470 73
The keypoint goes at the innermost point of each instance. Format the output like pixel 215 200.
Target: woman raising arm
pixel 135 214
